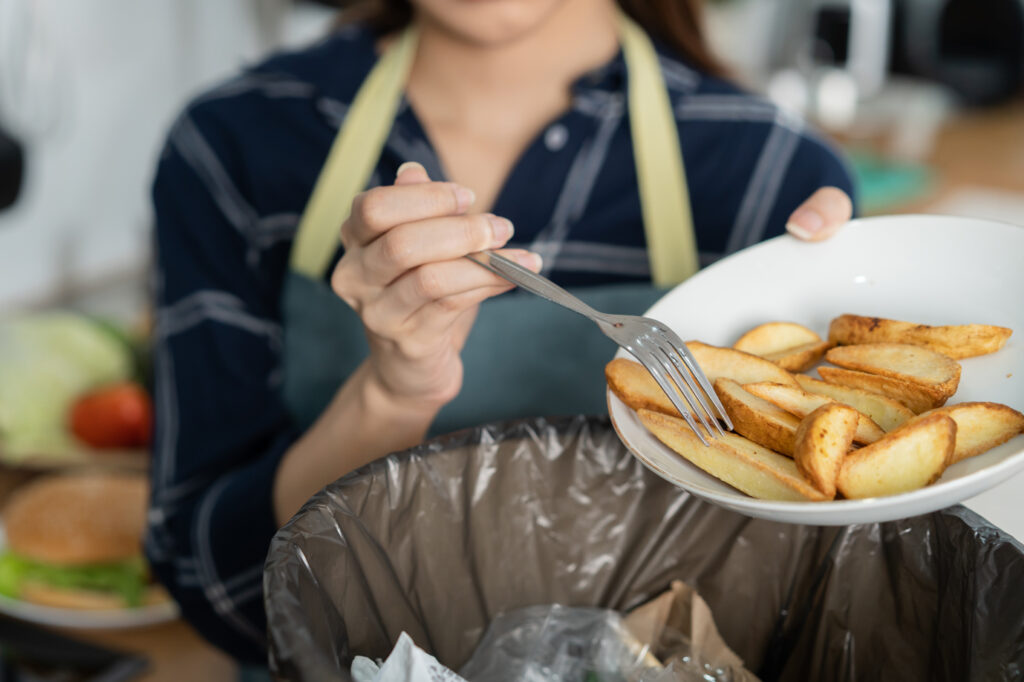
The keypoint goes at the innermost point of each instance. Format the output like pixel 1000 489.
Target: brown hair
pixel 678 23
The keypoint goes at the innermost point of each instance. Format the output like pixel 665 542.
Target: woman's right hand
pixel 404 273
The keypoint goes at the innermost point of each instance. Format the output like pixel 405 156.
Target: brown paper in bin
pixel 681 609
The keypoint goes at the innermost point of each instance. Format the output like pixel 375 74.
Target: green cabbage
pixel 46 362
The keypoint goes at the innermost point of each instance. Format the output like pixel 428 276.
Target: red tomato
pixel 116 416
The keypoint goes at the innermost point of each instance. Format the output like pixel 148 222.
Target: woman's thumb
pixel 411 173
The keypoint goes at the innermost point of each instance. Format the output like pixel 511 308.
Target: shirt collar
pixel 609 77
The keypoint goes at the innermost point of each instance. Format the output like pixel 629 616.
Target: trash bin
pixel 437 540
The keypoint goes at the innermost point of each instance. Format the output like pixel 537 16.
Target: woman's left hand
pixel 819 217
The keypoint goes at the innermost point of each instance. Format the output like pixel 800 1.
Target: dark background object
pixel 975 47
pixel 32 654
pixel 12 168
pixel 438 540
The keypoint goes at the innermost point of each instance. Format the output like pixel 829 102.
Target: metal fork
pixel 656 346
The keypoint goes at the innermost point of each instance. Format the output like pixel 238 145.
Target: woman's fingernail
pixel 805 223
pixel 407 165
pixel 464 197
pixel 501 229
pixel 530 260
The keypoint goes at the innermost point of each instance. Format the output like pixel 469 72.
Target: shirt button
pixel 556 137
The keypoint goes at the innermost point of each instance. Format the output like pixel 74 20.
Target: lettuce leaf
pixel 128 579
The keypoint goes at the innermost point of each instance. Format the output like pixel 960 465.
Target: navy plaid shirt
pixel 235 175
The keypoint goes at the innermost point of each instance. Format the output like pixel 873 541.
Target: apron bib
pixel 524 356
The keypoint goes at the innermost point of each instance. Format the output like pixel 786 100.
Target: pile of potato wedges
pixel 876 423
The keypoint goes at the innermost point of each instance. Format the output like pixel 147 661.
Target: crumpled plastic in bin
pixel 438 540
pixel 565 644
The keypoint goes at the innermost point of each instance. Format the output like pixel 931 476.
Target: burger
pixel 75 541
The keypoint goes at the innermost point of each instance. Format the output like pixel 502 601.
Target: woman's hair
pixel 677 23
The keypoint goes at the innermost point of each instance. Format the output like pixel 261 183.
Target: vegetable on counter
pixel 47 362
pixel 116 416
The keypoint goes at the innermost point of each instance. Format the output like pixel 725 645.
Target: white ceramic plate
pixel 927 269
pixel 112 619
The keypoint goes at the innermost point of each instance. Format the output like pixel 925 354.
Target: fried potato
pixel 800 403
pixel 772 337
pixel 739 366
pixel 956 341
pixel 909 458
pixel 746 466
pixel 756 418
pixel 633 384
pixel 886 412
pixel 822 441
pixel 918 397
pixel 799 358
pixel 901 361
pixel 791 346
pixel 980 426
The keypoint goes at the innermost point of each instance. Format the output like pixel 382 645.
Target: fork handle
pixel 532 282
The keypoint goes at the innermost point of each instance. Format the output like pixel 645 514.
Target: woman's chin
pixel 487 22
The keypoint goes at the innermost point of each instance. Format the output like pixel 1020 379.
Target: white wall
pixel 91 87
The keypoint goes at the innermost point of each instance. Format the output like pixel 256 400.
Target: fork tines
pixel 672 365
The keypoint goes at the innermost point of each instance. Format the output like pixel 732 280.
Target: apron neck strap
pixel 352 158
pixel 664 199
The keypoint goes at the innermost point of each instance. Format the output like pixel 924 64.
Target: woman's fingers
pixel 428 298
pixel 438 239
pixel 819 217
pixel 377 210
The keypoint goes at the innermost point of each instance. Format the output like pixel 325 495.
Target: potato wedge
pixel 918 397
pixel 909 458
pixel 731 458
pixel 981 426
pixel 800 403
pixel 901 361
pixel 886 412
pixel 956 341
pixel 799 358
pixel 741 367
pixel 756 418
pixel 822 441
pixel 633 384
pixel 772 337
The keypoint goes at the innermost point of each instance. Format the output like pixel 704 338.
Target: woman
pixel 285 361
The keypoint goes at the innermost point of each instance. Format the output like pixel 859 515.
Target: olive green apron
pixel 524 356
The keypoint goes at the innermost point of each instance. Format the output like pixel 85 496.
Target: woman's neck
pixel 482 104
pixel 460 77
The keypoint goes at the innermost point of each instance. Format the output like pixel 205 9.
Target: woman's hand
pixel 819 217
pixel 404 273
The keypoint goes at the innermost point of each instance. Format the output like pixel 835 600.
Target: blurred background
pixel 926 97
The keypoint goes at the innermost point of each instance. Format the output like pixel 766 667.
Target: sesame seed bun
pixel 80 518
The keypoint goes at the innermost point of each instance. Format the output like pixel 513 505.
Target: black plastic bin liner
pixel 439 539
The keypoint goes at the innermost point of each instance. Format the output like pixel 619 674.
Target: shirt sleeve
pixel 815 164
pixel 793 163
pixel 221 424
